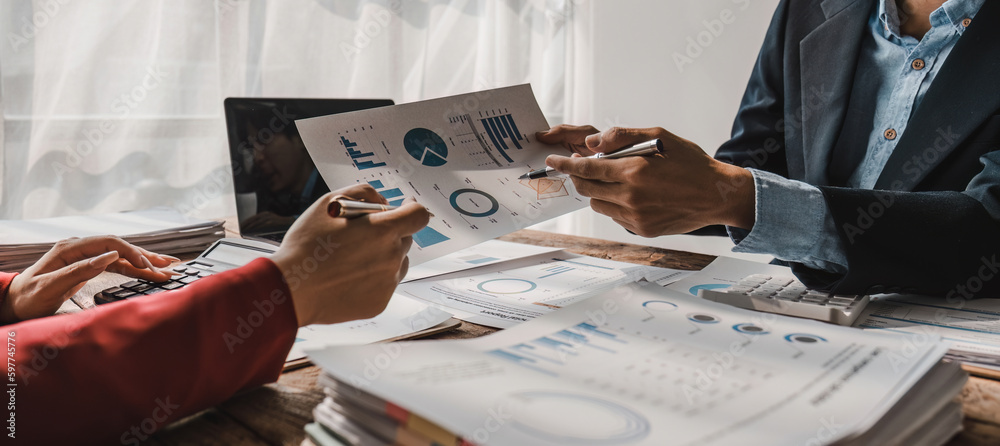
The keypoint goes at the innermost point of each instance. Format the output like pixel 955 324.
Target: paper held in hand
pixel 459 156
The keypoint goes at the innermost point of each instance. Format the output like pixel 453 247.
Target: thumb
pixel 76 273
pixel 406 220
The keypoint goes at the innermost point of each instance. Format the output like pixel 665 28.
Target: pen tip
pixel 523 177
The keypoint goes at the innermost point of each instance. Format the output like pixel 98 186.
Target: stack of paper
pixel 161 230
pixel 643 364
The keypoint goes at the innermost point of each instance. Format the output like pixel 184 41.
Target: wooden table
pixel 276 413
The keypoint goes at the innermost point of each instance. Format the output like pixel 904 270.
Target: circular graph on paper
pixel 426 146
pixel 703 318
pixel 750 329
pixel 474 203
pixel 506 286
pixel 804 338
pixel 659 305
pixel 570 418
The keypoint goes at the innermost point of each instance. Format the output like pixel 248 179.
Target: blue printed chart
pixel 460 157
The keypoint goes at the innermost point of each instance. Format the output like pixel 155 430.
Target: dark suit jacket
pixel 917 231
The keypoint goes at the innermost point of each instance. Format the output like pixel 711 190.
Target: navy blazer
pixel 916 232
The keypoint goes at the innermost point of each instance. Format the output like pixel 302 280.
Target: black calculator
pixel 223 255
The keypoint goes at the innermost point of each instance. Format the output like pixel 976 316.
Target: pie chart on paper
pixel 426 146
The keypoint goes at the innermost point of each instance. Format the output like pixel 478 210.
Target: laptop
pixel 274 177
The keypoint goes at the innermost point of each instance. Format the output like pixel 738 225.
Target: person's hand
pixel 42 288
pixel 674 193
pixel 342 269
pixel 266 220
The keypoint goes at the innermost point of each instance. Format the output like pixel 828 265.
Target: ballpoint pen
pixel 641 149
pixel 347 207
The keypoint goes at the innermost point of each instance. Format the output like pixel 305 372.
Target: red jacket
pixel 117 373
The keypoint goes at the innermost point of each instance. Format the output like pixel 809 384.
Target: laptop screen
pixel 274 177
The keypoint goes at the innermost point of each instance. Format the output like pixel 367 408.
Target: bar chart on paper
pixel 459 156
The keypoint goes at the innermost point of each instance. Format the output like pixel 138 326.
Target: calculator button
pixel 191 272
pixel 154 291
pixel 188 279
pixel 180 269
pixel 123 294
pixel 172 285
pixel 141 287
pixel 131 284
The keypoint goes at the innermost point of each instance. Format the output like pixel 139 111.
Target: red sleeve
pixel 5 279
pixel 119 372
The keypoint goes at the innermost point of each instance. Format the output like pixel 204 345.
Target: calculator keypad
pixel 142 287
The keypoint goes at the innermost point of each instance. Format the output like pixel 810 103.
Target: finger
pixel 405 220
pixel 616 138
pixel 588 168
pixel 561 134
pixel 360 192
pixel 69 277
pixel 75 250
pixel 149 266
pixel 158 260
pixel 573 138
pixel 601 190
pixel 126 269
pixel 609 209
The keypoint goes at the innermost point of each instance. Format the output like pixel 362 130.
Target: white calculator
pixel 786 295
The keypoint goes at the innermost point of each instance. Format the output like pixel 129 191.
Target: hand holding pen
pixel 642 149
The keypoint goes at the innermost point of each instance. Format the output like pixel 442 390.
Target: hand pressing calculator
pixel 223 255
pixel 786 295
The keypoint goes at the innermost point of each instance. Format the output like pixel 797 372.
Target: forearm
pixel 792 224
pixel 118 372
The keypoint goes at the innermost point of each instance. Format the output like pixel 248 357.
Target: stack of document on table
pixel 161 230
pixel 642 364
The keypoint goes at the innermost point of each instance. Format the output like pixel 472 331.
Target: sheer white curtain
pixel 111 105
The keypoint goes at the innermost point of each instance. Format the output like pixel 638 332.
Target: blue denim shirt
pixel 792 220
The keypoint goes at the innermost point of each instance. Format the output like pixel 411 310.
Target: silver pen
pixel 641 149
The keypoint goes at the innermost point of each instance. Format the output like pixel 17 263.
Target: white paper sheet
pixel 459 156
pixel 512 292
pixel 646 365
pixel 123 224
pixel 487 253
pixel 972 327
pixel 402 316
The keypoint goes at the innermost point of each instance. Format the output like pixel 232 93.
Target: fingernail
pixel 104 260
pixel 170 258
pixel 148 264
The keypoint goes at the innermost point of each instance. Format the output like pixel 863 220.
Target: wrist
pixel 7 298
pixel 739 201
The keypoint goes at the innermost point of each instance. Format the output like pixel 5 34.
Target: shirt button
pixel 890 134
pixel 966 22
pixel 917 64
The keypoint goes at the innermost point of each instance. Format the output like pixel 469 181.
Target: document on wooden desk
pixel 403 316
pixel 512 292
pixel 610 370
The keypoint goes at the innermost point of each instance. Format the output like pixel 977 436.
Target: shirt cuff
pixel 792 224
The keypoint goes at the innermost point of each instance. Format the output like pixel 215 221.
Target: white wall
pixel 641 80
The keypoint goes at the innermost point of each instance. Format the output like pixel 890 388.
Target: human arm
pixel 121 371
pixel 65 268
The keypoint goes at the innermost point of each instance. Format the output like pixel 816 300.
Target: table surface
pixel 276 413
